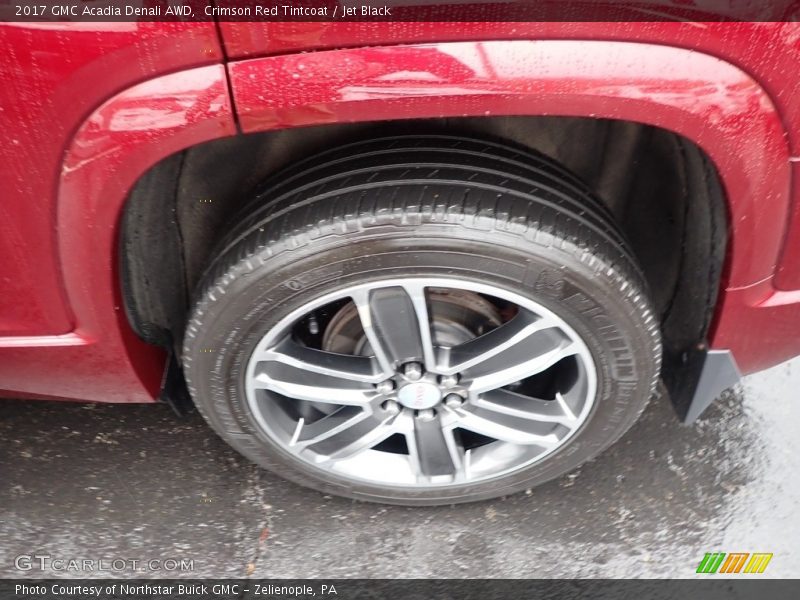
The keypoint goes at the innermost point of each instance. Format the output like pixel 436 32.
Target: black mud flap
pixel 697 377
pixel 173 388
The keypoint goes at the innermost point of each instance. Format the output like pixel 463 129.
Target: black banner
pixel 712 588
pixel 398 10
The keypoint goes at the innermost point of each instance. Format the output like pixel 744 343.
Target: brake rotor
pixel 456 316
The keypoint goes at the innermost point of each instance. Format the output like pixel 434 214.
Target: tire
pixel 503 227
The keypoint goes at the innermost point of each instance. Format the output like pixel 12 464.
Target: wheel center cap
pixel 419 395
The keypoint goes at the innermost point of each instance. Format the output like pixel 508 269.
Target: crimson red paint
pixel 88 107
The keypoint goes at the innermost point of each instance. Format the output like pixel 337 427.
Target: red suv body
pixel 87 108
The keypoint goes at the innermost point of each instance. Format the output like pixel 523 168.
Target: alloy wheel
pixel 421 382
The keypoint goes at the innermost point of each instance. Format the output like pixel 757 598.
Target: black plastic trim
pixel 696 378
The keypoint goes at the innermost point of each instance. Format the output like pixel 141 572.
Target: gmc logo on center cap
pixel 419 395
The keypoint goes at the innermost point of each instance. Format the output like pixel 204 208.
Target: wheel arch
pixel 110 151
pixel 703 99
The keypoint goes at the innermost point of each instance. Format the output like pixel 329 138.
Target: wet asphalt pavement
pixel 135 482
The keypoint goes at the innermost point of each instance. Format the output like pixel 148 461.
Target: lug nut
pixel 413 371
pixel 448 380
pixel 384 387
pixel 426 414
pixel 391 407
pixel 453 401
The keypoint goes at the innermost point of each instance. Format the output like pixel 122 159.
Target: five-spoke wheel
pixel 434 383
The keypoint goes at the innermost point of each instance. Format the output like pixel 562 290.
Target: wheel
pixel 422 320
